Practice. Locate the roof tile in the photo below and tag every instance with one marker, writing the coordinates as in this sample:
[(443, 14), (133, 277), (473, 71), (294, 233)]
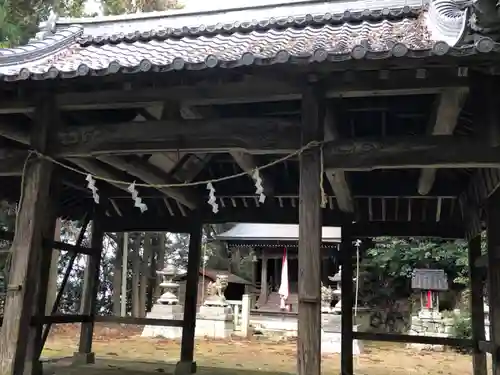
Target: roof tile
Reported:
[(403, 32)]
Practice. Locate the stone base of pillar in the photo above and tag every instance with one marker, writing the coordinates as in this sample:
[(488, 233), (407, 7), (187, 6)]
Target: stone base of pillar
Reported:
[(33, 368), (83, 358), (185, 368)]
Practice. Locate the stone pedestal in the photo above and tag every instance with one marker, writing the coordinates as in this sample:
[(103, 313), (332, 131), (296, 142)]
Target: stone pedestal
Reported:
[(428, 323), (331, 334), (174, 312), (214, 322)]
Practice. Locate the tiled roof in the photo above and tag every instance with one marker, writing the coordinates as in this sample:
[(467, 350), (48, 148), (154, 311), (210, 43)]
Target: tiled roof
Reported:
[(107, 45), (428, 279)]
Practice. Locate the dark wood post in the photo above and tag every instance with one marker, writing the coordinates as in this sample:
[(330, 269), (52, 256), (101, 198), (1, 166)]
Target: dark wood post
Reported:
[(493, 223), (309, 317), (186, 365), (476, 306), (35, 343), (85, 354), (25, 261), (346, 251)]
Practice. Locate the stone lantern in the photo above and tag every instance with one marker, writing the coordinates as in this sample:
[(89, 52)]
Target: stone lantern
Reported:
[(169, 297)]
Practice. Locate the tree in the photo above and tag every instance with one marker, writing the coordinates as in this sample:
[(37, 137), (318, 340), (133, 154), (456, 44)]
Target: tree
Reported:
[(387, 266), (19, 20), (110, 7)]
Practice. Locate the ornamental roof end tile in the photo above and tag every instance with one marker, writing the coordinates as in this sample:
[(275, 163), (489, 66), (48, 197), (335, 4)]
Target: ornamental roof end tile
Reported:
[(292, 32)]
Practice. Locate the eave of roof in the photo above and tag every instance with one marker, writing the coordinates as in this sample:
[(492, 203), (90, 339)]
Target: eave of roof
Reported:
[(274, 232), (307, 32)]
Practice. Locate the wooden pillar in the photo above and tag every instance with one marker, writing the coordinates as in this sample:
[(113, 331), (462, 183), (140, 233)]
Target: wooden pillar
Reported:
[(26, 249), (493, 224), (276, 271), (54, 263), (476, 306), (347, 289), (263, 280), (186, 365), (85, 354), (309, 317)]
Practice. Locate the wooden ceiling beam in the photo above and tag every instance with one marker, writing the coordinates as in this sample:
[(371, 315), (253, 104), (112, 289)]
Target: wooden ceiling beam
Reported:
[(449, 106), (361, 229), (411, 152), (204, 135), (249, 90), (337, 178), (154, 176)]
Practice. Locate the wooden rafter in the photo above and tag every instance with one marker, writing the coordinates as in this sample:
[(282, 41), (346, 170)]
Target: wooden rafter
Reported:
[(92, 166), (449, 105), (248, 164), (153, 175), (337, 177)]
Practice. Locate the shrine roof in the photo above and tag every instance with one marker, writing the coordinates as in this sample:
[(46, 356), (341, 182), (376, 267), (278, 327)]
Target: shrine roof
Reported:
[(274, 232), (264, 34), (429, 279)]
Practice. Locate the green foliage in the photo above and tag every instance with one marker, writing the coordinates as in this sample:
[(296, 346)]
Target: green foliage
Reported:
[(129, 6), (462, 327), (388, 265), (19, 20)]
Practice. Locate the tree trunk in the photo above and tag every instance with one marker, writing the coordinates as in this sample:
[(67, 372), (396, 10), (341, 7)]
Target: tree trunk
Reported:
[(117, 275), (145, 272), (136, 273), (85, 285), (160, 263)]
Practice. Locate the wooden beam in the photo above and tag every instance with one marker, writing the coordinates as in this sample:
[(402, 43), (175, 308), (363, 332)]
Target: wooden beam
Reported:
[(493, 241), (411, 152), (13, 132), (477, 305), (337, 177), (309, 317), (93, 167), (429, 340), (248, 164), (186, 365), (363, 229), (89, 299), (277, 136), (32, 223), (249, 90), (219, 135), (153, 175), (448, 109), (347, 300)]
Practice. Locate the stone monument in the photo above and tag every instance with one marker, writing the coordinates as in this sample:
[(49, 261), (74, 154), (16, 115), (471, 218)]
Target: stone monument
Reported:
[(215, 318), (331, 320), (166, 307)]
